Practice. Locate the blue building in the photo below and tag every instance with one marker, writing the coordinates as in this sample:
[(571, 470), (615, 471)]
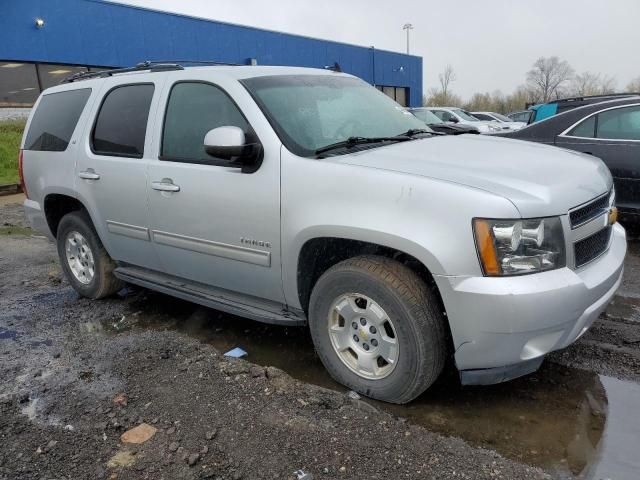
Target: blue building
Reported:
[(44, 41)]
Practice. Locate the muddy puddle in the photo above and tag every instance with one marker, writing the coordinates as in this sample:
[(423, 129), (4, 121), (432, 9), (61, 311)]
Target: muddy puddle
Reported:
[(560, 419)]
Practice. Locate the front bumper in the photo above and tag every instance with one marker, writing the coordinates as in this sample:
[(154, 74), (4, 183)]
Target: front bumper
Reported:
[(508, 324)]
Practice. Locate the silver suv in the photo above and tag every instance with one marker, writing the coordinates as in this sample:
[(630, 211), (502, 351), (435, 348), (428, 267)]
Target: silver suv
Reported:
[(307, 197)]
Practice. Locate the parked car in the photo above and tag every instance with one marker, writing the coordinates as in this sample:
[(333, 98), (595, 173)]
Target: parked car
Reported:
[(522, 116), (549, 109), (307, 197), (503, 120), (608, 130), (460, 117), (437, 125)]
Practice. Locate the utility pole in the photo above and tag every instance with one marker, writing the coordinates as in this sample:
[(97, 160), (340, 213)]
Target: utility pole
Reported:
[(407, 27)]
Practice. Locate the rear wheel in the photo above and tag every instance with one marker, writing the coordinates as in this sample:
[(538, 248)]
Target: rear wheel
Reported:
[(84, 260), (377, 328)]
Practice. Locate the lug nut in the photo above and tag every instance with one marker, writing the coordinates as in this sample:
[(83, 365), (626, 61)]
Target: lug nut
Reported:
[(354, 325), (355, 338), (363, 321), (365, 346), (373, 330), (374, 342)]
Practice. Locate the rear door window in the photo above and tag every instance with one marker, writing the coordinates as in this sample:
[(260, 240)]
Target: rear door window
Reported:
[(121, 124), (55, 120), (619, 124)]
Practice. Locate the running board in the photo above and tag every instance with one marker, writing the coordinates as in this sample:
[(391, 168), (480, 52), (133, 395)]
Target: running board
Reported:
[(216, 298)]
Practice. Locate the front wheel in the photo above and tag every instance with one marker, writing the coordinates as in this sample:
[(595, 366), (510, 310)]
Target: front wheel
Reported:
[(377, 328), (84, 260)]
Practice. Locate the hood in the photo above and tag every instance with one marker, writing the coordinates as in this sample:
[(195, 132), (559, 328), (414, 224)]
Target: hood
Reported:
[(538, 179)]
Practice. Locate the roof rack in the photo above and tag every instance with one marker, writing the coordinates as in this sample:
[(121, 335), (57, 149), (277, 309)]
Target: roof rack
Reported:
[(593, 97), (150, 65)]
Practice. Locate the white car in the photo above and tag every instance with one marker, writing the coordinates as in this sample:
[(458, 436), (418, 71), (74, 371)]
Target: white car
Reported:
[(458, 115), (502, 120)]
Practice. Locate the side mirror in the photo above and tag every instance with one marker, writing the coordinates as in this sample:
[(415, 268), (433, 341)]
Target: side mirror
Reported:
[(453, 119), (230, 143)]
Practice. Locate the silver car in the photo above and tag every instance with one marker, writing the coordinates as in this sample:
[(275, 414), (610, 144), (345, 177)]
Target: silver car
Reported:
[(500, 120), (460, 116), (307, 197)]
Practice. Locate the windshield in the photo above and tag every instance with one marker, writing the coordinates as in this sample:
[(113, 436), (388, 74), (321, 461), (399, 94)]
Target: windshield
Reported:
[(309, 112), (426, 116), (501, 117), (464, 115)]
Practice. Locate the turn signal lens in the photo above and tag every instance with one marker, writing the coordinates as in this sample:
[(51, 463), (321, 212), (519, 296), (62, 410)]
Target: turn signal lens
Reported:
[(486, 248)]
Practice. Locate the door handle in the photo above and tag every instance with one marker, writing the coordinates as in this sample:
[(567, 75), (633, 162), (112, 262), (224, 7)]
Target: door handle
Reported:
[(166, 185), (89, 175)]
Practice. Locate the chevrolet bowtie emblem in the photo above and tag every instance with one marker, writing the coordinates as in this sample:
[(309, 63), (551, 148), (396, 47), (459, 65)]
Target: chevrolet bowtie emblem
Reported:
[(613, 216)]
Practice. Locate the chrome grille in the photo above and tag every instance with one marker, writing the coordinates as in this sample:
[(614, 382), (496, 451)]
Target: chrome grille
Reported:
[(592, 247), (588, 212)]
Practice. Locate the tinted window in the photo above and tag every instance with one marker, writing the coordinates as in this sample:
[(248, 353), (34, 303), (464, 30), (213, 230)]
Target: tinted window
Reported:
[(122, 121), (482, 116), (194, 109), (620, 124), (426, 116), (586, 129), (501, 117), (520, 116), (443, 115), (55, 120), (464, 115)]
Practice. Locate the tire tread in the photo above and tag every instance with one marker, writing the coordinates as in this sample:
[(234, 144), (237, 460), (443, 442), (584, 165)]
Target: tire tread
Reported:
[(423, 306)]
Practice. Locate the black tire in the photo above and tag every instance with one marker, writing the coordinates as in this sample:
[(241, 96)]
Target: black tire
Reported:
[(414, 311), (103, 283)]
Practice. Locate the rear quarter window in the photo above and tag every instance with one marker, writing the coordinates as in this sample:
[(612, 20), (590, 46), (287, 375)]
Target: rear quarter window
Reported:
[(55, 120)]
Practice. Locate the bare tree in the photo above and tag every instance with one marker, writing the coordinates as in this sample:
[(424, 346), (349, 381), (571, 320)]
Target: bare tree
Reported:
[(443, 96), (435, 98), (634, 85), (588, 83), (446, 79), (548, 77)]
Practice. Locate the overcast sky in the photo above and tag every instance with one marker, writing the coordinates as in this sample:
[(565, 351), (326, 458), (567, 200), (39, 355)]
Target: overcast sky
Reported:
[(490, 43)]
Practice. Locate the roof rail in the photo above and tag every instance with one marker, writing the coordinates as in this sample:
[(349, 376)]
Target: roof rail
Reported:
[(185, 63), (151, 65), (603, 96)]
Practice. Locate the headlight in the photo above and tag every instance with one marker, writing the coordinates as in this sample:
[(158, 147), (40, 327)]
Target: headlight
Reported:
[(515, 247)]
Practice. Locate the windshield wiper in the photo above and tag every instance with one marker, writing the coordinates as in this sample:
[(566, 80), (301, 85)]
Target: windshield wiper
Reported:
[(353, 141), (412, 132)]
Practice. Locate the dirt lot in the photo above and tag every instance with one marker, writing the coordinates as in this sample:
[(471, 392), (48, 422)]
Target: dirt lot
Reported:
[(77, 374)]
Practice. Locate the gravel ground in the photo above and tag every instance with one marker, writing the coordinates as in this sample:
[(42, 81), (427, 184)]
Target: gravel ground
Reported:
[(71, 387)]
